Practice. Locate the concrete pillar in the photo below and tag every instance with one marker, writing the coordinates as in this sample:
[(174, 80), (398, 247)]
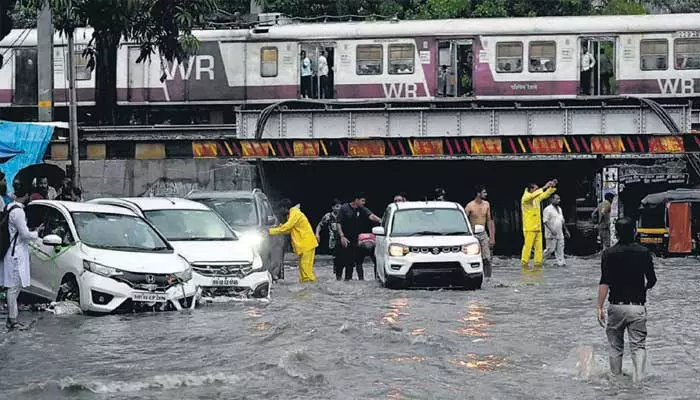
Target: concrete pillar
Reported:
[(45, 61)]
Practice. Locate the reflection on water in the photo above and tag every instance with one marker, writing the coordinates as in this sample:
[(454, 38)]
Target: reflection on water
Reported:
[(396, 310), (481, 362), (474, 323), (532, 275)]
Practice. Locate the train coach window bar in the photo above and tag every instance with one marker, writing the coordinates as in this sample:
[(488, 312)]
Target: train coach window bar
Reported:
[(268, 62), (401, 59), (653, 55), (369, 59), (509, 57), (543, 56), (687, 53)]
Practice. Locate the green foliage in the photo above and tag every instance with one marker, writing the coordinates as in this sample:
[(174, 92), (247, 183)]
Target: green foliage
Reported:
[(623, 7)]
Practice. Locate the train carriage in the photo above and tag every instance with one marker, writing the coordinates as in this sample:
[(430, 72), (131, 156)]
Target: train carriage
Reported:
[(654, 56)]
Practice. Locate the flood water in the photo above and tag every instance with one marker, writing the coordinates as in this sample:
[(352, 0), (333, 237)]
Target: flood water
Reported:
[(523, 336)]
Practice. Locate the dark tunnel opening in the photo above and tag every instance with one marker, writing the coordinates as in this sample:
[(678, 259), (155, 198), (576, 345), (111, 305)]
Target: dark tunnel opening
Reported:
[(314, 184)]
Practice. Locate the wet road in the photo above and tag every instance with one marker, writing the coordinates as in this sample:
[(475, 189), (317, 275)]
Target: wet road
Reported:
[(518, 338)]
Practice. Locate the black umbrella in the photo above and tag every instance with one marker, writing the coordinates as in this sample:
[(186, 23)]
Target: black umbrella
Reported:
[(53, 173)]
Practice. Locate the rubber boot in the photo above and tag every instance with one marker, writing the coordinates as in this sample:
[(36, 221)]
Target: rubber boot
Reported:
[(616, 365), (639, 359)]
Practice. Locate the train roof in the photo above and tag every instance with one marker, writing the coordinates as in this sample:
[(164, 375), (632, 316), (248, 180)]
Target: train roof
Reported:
[(680, 195), (580, 25)]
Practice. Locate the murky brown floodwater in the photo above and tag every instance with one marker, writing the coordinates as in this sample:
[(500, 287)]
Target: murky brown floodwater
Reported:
[(521, 337)]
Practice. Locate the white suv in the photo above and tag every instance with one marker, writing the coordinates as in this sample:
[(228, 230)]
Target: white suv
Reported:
[(222, 265), (427, 244)]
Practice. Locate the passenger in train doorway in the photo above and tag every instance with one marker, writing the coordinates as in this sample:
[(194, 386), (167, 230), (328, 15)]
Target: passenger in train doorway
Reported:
[(479, 213), (606, 72), (323, 75), (350, 220), (306, 76), (587, 64)]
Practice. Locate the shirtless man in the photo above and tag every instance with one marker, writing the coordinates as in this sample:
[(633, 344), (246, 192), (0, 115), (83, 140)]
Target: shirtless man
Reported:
[(479, 213)]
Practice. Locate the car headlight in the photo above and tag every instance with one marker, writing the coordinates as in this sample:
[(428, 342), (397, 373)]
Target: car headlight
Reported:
[(398, 250), (185, 275), (100, 269), (256, 266), (472, 249), (254, 239)]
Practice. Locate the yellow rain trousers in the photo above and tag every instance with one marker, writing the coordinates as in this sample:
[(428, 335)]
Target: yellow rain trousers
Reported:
[(303, 241), (532, 224)]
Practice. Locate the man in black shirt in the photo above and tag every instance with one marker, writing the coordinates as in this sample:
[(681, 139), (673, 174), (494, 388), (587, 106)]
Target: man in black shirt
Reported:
[(350, 223), (624, 269)]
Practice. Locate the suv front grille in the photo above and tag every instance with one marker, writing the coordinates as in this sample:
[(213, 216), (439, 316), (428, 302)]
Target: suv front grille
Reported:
[(436, 249), (436, 266), (230, 270), (150, 282)]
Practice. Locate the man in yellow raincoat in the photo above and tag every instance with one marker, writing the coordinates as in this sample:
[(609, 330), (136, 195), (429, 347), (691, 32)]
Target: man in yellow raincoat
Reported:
[(532, 220), (303, 239)]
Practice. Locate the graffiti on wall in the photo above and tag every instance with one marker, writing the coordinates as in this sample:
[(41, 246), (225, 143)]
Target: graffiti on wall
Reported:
[(165, 187)]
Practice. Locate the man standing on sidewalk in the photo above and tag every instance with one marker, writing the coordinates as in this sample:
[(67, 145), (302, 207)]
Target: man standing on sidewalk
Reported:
[(555, 230), (624, 269)]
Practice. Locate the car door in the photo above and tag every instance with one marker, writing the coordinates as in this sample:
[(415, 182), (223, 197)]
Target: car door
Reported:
[(381, 245), (40, 255), (277, 242)]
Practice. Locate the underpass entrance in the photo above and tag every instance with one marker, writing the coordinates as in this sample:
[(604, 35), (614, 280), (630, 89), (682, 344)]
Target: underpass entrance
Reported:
[(314, 184)]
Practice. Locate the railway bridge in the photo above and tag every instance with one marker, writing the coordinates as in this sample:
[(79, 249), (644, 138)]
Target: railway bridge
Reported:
[(314, 151)]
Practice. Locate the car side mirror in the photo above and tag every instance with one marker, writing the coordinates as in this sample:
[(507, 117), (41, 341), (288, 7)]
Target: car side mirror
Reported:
[(52, 240), (378, 231), (479, 229), (270, 219)]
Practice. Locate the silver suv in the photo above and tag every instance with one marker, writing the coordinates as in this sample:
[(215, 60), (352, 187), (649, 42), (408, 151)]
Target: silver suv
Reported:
[(250, 214)]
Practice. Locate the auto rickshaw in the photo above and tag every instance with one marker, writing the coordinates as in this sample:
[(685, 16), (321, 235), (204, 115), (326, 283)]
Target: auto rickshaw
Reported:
[(669, 222)]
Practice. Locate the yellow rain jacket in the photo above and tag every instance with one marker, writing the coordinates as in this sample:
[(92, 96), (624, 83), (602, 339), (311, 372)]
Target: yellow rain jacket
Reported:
[(299, 228), (530, 206)]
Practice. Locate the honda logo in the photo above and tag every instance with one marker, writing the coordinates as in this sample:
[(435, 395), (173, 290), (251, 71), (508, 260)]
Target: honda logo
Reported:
[(150, 279)]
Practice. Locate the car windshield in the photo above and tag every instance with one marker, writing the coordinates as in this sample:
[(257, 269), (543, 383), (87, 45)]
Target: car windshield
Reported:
[(237, 212), (117, 232), (188, 225), (430, 221)]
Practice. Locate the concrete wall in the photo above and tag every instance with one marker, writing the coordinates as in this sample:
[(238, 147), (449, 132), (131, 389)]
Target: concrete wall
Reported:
[(169, 177)]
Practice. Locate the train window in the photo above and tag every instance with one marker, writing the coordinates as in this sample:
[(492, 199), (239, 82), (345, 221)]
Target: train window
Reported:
[(401, 59), (369, 59), (687, 53), (268, 62), (653, 55), (543, 56), (509, 57), (80, 63)]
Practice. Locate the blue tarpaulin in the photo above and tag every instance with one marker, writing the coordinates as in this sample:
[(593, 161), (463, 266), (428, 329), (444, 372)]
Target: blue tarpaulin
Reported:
[(27, 141)]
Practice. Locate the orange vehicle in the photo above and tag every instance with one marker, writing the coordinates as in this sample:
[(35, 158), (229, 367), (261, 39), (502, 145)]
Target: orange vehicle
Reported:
[(669, 222)]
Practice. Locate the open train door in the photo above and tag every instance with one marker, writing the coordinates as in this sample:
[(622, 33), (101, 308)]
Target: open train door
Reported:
[(321, 84), (679, 228), (601, 78)]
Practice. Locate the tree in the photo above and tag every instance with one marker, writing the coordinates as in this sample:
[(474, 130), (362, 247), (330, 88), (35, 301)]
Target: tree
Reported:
[(160, 27)]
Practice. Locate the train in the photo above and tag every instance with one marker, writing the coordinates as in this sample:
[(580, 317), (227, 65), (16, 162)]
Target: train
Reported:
[(511, 59)]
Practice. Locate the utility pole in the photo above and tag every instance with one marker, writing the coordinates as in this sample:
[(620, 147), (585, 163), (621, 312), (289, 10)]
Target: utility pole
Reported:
[(45, 61), (72, 100)]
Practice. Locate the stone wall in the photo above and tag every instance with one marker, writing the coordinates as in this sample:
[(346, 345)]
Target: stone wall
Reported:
[(170, 177)]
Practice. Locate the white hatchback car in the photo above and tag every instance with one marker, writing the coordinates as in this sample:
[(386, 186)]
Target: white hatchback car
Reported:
[(222, 264), (106, 258), (427, 244)]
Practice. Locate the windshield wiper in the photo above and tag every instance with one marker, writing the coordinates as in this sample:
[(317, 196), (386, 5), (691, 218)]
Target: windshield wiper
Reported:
[(426, 233), (457, 234)]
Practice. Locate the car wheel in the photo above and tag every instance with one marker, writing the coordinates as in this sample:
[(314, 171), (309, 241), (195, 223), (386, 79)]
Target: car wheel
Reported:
[(69, 290), (475, 283)]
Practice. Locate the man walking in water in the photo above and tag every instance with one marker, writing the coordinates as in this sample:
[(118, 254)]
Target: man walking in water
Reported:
[(623, 271), (532, 220), (555, 230), (479, 213), (602, 216)]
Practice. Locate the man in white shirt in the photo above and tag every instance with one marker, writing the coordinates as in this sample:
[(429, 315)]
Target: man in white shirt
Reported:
[(555, 230), (306, 73), (587, 64), (323, 75)]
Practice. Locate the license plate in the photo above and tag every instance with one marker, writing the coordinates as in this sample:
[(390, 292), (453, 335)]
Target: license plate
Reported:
[(651, 240), (149, 297), (225, 282)]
